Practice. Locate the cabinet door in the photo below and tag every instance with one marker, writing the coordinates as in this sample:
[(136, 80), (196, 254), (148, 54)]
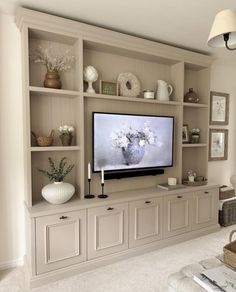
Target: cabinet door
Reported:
[(60, 240), (107, 230), (145, 221), (177, 214), (205, 211)]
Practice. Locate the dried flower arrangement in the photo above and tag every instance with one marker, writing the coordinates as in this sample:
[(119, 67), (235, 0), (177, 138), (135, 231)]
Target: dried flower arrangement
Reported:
[(52, 61)]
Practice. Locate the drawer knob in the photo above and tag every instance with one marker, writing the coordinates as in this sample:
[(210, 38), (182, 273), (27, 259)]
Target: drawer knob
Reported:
[(206, 192), (147, 202), (179, 197), (110, 208), (63, 217)]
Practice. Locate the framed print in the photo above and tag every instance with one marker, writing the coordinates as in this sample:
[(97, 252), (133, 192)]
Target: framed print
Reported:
[(185, 134), (218, 144), (219, 108), (109, 88)]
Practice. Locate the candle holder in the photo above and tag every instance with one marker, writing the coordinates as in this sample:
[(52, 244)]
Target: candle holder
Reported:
[(102, 195), (89, 196)]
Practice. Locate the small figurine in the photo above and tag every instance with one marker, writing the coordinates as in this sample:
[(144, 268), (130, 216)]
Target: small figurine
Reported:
[(90, 75)]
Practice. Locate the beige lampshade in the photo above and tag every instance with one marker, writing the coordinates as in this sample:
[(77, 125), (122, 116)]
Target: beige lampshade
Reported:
[(224, 22)]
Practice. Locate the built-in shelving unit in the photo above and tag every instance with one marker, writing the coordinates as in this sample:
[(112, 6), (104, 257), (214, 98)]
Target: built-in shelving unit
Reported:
[(46, 109)]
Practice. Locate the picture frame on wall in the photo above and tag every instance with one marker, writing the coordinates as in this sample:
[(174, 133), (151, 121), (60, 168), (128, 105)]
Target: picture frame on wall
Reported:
[(218, 144), (185, 134), (219, 108)]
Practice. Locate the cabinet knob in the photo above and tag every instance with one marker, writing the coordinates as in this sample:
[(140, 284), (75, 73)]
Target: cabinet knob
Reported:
[(110, 208), (147, 202), (179, 197), (206, 192), (63, 217)]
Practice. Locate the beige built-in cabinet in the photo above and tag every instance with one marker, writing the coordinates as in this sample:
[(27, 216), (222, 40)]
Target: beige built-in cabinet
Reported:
[(81, 234)]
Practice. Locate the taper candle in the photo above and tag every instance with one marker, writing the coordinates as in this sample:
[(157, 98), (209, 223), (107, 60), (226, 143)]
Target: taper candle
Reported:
[(89, 171), (102, 176)]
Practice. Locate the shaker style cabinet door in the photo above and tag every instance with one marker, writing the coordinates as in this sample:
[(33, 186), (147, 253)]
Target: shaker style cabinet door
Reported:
[(107, 230), (205, 211), (145, 221), (60, 240), (177, 214)]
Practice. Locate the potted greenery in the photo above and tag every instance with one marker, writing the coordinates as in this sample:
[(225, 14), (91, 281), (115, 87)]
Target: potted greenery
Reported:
[(57, 192), (195, 136)]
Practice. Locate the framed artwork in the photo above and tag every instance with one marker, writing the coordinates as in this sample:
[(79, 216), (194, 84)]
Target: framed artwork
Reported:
[(109, 88), (185, 134), (218, 144), (219, 108)]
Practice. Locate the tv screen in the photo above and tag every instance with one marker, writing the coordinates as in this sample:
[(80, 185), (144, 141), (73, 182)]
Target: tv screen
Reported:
[(132, 142)]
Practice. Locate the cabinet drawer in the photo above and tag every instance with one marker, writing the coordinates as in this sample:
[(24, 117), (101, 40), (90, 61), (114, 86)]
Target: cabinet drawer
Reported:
[(145, 221), (177, 214), (107, 229), (205, 211), (60, 240)]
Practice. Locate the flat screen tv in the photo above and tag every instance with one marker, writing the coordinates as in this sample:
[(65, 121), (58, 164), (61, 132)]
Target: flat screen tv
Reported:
[(127, 142)]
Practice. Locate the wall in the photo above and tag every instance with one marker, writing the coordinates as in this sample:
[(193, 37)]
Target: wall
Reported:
[(11, 154), (11, 149), (223, 80)]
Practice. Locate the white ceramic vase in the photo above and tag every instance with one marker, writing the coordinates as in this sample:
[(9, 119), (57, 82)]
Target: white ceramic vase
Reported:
[(58, 192), (233, 180)]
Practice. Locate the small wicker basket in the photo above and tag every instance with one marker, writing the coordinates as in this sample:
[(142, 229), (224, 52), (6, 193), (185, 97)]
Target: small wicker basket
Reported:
[(230, 251), (44, 141)]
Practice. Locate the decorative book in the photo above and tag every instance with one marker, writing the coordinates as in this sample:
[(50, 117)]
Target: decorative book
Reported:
[(169, 188), (217, 279)]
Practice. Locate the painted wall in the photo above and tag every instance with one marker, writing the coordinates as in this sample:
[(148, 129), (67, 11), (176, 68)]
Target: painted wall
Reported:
[(223, 80), (11, 152), (11, 148)]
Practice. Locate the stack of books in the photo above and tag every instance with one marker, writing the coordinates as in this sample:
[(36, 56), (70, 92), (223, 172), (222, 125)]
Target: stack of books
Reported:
[(217, 279)]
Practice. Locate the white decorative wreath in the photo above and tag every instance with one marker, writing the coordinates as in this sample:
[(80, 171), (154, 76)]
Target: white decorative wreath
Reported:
[(129, 84)]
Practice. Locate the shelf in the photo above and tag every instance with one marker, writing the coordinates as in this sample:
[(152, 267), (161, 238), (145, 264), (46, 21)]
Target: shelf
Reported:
[(54, 148), (43, 91), (190, 104), (194, 145), (130, 99)]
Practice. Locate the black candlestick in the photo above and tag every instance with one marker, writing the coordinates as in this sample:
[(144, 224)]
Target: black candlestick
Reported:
[(89, 196), (102, 195)]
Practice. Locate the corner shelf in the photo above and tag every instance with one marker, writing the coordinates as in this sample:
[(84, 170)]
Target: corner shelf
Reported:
[(43, 91), (54, 148), (190, 104), (188, 145), (130, 99)]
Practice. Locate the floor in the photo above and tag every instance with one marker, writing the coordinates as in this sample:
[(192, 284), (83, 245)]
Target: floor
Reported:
[(145, 273)]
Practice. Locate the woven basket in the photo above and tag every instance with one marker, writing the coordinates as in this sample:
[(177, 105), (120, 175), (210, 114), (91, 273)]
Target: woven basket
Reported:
[(230, 251), (44, 141)]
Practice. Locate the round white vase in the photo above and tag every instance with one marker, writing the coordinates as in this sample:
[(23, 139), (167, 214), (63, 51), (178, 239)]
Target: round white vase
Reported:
[(58, 192)]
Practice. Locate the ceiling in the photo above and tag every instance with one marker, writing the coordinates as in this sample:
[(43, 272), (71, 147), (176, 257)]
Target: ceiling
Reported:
[(183, 23)]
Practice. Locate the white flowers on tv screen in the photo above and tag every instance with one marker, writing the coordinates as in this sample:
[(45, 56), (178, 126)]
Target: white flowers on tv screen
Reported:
[(132, 141)]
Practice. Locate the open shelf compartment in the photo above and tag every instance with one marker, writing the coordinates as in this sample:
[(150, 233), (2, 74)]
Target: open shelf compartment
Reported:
[(52, 112), (55, 45), (39, 160), (147, 68)]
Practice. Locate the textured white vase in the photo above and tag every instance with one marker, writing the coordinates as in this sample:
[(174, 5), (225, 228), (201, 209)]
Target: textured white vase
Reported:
[(58, 192)]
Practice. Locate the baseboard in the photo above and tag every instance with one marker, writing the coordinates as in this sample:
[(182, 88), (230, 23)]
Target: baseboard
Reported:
[(11, 264)]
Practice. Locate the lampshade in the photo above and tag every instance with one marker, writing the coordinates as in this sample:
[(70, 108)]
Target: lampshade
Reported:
[(224, 22)]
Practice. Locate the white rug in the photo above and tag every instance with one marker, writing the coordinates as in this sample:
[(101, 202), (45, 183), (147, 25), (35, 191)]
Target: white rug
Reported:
[(146, 273)]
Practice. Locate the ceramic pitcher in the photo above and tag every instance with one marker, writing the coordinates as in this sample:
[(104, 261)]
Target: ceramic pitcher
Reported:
[(164, 90)]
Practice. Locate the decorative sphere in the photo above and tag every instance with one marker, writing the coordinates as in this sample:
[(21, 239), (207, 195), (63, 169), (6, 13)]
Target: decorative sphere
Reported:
[(90, 74)]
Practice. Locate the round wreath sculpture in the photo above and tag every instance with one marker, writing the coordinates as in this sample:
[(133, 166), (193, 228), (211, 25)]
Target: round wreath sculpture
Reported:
[(129, 84)]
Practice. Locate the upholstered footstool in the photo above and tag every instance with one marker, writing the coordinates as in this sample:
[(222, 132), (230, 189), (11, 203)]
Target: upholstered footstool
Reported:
[(182, 281)]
